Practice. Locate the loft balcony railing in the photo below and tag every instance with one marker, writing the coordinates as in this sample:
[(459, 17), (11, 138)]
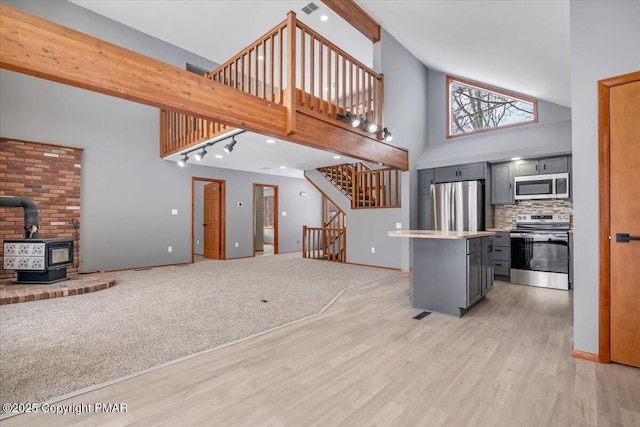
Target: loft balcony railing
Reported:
[(293, 66)]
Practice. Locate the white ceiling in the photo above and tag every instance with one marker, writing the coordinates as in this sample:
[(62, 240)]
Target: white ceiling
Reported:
[(522, 46), (252, 153)]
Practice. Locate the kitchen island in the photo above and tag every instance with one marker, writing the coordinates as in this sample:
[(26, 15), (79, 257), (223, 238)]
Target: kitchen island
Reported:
[(452, 270)]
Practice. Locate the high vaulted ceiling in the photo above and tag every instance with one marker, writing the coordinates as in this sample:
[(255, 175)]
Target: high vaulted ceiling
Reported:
[(522, 46)]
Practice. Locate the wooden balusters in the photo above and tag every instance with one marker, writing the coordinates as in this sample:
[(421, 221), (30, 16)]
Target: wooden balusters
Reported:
[(324, 243)]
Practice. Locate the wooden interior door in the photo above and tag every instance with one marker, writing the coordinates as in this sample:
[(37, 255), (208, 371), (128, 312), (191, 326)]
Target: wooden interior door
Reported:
[(212, 223), (624, 173)]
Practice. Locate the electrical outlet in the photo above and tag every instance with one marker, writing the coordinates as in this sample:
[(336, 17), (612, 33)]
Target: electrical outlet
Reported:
[(373, 250), (198, 242), (236, 244), (398, 225), (169, 249), (284, 213)]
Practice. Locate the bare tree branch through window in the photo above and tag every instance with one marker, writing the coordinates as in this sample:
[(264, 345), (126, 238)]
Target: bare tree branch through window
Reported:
[(473, 108)]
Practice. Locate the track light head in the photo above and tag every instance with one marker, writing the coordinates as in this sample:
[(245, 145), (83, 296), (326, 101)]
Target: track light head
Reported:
[(385, 135), (229, 147), (369, 126), (200, 155), (349, 117), (183, 161)]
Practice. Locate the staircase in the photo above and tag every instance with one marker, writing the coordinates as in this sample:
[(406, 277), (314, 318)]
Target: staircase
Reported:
[(329, 242), (364, 186)]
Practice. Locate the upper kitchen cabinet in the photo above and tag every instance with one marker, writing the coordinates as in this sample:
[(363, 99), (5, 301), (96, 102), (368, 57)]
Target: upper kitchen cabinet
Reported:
[(466, 172), (502, 177), (542, 166)]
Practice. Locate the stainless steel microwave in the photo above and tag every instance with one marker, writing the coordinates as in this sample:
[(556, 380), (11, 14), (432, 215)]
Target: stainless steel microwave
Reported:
[(549, 186)]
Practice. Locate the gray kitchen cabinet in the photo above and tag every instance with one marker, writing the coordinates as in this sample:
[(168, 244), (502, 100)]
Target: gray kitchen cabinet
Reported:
[(557, 164), (553, 165), (448, 274), (502, 255), (466, 172), (502, 178), (471, 171), (474, 277), (487, 265), (446, 174), (425, 213)]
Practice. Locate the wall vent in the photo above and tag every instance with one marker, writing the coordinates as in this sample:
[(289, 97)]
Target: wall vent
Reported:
[(311, 7)]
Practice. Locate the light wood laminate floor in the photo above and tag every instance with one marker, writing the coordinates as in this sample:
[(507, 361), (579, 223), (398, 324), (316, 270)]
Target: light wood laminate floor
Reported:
[(367, 362)]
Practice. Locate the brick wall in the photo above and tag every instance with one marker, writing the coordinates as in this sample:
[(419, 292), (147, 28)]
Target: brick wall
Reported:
[(49, 175)]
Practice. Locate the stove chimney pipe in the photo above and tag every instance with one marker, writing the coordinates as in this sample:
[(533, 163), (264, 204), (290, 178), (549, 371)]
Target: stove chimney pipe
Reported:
[(30, 214)]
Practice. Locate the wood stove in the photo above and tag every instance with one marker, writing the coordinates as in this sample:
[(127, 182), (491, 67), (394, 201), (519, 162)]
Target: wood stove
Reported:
[(38, 260)]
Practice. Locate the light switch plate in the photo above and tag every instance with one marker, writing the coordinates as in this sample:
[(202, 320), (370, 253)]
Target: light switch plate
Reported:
[(174, 211), (284, 213)]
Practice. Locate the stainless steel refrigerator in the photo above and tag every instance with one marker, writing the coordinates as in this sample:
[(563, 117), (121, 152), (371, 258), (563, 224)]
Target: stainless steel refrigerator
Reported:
[(458, 206)]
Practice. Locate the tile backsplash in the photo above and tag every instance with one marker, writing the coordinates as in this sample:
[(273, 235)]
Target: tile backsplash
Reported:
[(504, 216)]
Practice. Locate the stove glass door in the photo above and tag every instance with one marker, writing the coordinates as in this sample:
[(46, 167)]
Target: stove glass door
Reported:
[(540, 252)]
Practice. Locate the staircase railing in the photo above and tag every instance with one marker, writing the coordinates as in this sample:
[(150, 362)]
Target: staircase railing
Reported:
[(365, 187), (179, 131), (376, 188), (293, 66), (324, 243)]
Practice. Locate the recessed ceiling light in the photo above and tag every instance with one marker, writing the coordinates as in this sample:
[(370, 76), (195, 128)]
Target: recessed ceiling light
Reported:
[(218, 156), (301, 161), (516, 158), (336, 157), (283, 167), (324, 18), (271, 141)]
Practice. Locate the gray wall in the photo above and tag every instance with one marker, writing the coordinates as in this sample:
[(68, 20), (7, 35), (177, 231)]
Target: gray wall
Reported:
[(366, 228), (127, 191), (551, 135), (406, 89), (605, 42)]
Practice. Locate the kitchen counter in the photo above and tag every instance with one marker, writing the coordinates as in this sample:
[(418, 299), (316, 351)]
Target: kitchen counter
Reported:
[(434, 234), (452, 271), (502, 230)]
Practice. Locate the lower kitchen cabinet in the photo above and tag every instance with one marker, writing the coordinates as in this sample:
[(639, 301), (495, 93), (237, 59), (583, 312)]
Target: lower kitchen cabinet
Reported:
[(451, 275), (502, 255)]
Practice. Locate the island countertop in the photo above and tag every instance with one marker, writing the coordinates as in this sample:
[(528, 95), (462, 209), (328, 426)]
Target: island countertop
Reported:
[(434, 234)]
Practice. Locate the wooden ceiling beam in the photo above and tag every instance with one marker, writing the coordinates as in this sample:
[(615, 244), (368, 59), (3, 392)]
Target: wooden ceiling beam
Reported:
[(35, 46), (357, 17)]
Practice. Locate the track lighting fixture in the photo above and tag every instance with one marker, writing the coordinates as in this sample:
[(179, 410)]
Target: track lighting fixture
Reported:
[(369, 126), (201, 151), (349, 117), (385, 135), (200, 155), (229, 147)]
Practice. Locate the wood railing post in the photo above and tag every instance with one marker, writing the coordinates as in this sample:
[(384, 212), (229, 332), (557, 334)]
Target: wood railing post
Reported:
[(163, 132), (354, 187), (380, 105), (304, 241), (290, 101)]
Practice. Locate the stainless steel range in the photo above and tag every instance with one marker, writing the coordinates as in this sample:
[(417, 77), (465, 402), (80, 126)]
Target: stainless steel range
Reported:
[(540, 250)]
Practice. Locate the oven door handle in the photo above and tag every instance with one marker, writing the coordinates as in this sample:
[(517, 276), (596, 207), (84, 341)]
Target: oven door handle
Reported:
[(547, 237)]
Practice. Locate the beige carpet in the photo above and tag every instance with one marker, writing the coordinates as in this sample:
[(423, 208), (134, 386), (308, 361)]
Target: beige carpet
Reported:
[(53, 347)]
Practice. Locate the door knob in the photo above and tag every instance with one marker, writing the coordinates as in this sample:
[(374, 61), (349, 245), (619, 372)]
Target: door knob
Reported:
[(625, 238)]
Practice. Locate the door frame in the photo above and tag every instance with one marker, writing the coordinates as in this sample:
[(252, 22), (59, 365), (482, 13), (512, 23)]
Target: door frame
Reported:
[(276, 215), (223, 214), (604, 160)]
